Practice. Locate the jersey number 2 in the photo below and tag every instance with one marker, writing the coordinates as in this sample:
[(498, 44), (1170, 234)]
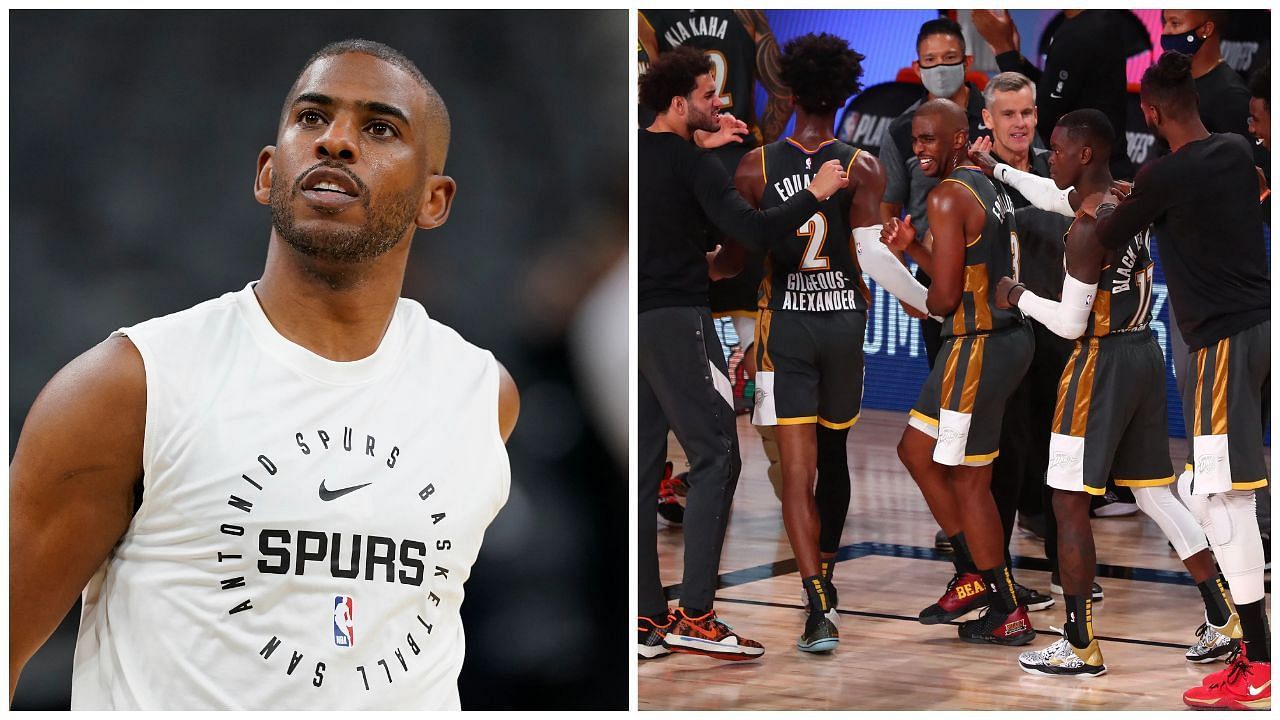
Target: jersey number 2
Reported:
[(720, 72), (816, 230)]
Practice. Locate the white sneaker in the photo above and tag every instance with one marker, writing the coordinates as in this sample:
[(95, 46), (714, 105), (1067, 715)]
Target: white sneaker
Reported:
[(1063, 659), (1215, 643)]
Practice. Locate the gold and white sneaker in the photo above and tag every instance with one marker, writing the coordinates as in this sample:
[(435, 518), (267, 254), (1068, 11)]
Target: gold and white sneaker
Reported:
[(1063, 659), (1215, 643)]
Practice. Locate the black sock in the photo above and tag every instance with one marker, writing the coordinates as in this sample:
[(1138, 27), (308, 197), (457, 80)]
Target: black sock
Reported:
[(692, 613), (1000, 584), (661, 619), (1257, 634), (821, 596), (1079, 620), (828, 570), (960, 555), (1216, 606)]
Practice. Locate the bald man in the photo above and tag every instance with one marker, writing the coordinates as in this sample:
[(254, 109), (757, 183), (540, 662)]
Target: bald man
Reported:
[(261, 497), (953, 432)]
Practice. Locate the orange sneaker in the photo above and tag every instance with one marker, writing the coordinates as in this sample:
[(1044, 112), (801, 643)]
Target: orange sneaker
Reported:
[(650, 637), (707, 635), (1244, 685)]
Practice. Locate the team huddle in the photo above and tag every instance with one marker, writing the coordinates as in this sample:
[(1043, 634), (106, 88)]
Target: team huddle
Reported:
[(812, 207)]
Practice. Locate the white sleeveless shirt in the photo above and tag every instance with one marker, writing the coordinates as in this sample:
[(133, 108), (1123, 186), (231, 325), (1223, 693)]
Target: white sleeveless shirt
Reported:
[(306, 526)]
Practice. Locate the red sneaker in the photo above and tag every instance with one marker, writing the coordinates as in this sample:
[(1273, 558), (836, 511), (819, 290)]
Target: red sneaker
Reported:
[(965, 594), (650, 637), (1000, 629), (1244, 685), (670, 511)]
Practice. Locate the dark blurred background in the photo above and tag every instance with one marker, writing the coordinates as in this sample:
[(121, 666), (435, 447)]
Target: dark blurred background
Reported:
[(133, 140)]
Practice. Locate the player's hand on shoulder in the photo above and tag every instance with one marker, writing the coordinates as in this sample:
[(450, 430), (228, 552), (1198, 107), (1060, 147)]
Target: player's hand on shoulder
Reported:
[(830, 178), (980, 155)]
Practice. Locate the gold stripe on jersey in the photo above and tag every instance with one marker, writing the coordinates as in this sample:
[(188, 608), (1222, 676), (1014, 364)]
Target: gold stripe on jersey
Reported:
[(762, 340), (972, 375), (764, 172), (1199, 423), (1102, 312), (968, 187), (1219, 417), (766, 283), (821, 145), (806, 420), (838, 426), (1064, 386), (976, 283), (1084, 391), (949, 372), (921, 416), (957, 318), (852, 160)]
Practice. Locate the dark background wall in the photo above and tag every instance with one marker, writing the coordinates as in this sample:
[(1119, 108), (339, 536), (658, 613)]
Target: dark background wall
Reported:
[(133, 138)]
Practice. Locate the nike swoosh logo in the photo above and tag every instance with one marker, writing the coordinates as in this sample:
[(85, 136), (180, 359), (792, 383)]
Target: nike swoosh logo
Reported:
[(327, 494), (1255, 690)]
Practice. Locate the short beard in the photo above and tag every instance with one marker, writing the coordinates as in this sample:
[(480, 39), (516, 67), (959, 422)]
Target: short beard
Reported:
[(706, 122), (383, 229)]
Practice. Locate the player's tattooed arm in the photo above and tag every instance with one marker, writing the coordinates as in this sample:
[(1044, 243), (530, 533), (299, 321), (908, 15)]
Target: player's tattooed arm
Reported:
[(777, 109), (648, 38), (71, 488)]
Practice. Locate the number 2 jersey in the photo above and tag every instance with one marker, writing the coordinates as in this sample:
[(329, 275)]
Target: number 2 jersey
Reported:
[(813, 269), (987, 258)]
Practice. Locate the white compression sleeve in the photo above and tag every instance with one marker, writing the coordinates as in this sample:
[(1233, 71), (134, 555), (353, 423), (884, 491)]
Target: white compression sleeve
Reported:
[(1230, 522), (879, 263), (1039, 191), (1174, 519), (1067, 318)]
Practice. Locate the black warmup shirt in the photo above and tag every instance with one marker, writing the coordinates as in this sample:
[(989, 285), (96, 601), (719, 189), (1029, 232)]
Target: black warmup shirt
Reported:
[(1224, 107), (1203, 201), (1084, 68), (682, 190)]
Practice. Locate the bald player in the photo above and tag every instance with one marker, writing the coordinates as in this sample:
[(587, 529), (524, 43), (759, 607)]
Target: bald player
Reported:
[(954, 429), (1110, 419), (263, 497)]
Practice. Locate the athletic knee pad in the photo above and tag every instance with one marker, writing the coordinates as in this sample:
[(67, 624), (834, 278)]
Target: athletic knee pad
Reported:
[(1176, 522), (1237, 543), (1197, 504)]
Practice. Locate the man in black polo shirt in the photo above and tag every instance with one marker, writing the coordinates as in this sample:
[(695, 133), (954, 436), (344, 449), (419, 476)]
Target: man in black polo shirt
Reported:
[(683, 380), (1203, 201)]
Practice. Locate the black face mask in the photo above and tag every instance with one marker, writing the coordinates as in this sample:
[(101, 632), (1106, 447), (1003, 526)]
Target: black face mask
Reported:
[(1187, 43)]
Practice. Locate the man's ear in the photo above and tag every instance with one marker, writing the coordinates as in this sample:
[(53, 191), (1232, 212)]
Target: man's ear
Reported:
[(1209, 27), (986, 117), (437, 199), (968, 62), (262, 180), (960, 140), (1086, 155)]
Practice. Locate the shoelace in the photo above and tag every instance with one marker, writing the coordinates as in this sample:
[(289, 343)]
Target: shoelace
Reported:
[(1200, 631), (1239, 665)]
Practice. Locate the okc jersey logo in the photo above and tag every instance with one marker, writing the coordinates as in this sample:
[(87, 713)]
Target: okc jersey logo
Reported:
[(344, 621)]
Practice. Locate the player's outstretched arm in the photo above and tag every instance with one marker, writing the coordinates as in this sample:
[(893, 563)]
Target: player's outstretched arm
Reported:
[(508, 402), (1039, 191), (71, 488)]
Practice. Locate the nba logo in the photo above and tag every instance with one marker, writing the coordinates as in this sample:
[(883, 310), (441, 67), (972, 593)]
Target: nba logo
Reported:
[(344, 621)]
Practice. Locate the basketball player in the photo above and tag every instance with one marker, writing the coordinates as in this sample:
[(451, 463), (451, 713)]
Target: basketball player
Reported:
[(954, 430), (683, 384), (1110, 418), (1202, 200), (249, 491), (813, 315)]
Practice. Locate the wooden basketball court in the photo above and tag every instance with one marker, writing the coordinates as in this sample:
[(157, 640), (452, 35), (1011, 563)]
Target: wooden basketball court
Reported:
[(888, 571)]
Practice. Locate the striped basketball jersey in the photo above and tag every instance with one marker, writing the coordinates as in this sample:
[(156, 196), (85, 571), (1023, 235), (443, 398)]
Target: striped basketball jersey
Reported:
[(1123, 300), (721, 36), (987, 258), (813, 269)]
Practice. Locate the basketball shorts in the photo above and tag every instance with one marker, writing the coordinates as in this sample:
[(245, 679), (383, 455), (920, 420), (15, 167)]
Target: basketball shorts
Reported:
[(1224, 407), (961, 405), (1109, 420), (809, 368)]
